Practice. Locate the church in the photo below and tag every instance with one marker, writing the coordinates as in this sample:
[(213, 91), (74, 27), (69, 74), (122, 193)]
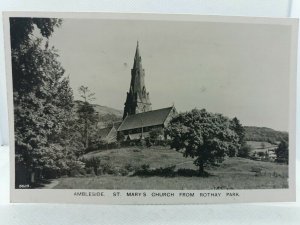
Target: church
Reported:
[(138, 117)]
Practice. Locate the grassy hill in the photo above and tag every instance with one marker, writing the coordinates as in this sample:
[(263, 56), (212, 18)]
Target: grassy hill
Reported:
[(233, 173)]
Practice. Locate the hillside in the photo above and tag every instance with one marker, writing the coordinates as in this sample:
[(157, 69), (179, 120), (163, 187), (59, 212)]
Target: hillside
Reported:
[(264, 134), (104, 110), (233, 173), (106, 114)]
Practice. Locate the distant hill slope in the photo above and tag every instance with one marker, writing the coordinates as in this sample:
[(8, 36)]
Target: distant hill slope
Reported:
[(106, 114), (103, 110), (264, 134)]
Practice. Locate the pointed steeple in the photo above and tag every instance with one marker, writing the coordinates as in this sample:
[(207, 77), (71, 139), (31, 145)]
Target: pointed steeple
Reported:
[(137, 57), (137, 100)]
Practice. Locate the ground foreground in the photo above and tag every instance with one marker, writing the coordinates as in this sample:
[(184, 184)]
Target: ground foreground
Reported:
[(233, 173)]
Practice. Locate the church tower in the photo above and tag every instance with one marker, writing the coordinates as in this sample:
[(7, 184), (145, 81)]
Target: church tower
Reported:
[(137, 100)]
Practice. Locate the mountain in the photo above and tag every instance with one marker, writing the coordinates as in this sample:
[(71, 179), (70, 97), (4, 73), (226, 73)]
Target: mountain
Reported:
[(264, 134)]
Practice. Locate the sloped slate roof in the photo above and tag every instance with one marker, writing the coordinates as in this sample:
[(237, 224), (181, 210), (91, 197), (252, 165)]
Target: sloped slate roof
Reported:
[(104, 131), (117, 124), (146, 119)]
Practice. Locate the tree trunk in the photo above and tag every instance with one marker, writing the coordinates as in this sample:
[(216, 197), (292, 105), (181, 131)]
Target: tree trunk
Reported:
[(86, 134), (32, 177), (201, 168)]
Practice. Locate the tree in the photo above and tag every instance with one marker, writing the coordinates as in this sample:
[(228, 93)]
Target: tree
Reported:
[(154, 137), (239, 130), (208, 137), (87, 114), (155, 133), (26, 50), (244, 151), (43, 100), (282, 152)]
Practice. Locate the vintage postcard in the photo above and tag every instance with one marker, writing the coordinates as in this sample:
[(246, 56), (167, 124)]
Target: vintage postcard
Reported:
[(151, 109)]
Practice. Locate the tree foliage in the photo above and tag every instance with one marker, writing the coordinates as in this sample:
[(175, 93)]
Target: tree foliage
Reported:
[(239, 130), (244, 151), (208, 137), (43, 100), (282, 152), (155, 134)]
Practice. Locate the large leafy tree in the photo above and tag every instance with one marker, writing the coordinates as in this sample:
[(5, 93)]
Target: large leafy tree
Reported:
[(43, 100), (205, 136)]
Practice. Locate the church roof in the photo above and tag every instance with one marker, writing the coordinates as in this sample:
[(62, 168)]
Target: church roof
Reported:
[(117, 124), (145, 119), (105, 131)]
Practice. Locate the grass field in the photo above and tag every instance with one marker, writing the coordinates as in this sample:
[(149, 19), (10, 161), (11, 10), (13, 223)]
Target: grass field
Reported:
[(233, 173)]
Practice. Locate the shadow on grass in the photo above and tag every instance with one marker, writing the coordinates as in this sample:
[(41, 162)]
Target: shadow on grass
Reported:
[(40, 183), (169, 172)]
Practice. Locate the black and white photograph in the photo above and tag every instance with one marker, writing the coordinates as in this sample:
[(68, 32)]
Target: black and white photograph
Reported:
[(151, 105)]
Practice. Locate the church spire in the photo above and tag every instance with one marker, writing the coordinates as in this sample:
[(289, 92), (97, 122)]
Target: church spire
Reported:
[(137, 100), (137, 57)]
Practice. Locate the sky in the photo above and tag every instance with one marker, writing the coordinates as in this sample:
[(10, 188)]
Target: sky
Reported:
[(239, 70)]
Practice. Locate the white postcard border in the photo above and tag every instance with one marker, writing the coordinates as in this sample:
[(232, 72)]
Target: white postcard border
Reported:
[(200, 196)]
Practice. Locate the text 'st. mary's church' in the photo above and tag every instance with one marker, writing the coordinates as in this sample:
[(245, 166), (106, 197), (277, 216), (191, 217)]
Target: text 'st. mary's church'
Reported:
[(137, 100)]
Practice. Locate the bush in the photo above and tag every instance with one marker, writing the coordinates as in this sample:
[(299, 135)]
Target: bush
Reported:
[(187, 173), (99, 171), (261, 154), (145, 167), (129, 167), (107, 168), (155, 133), (89, 170), (93, 163), (77, 172), (123, 172), (148, 142), (164, 172), (105, 146), (244, 151)]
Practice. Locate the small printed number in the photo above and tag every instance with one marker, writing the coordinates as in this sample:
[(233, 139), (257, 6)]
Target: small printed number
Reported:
[(23, 185)]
